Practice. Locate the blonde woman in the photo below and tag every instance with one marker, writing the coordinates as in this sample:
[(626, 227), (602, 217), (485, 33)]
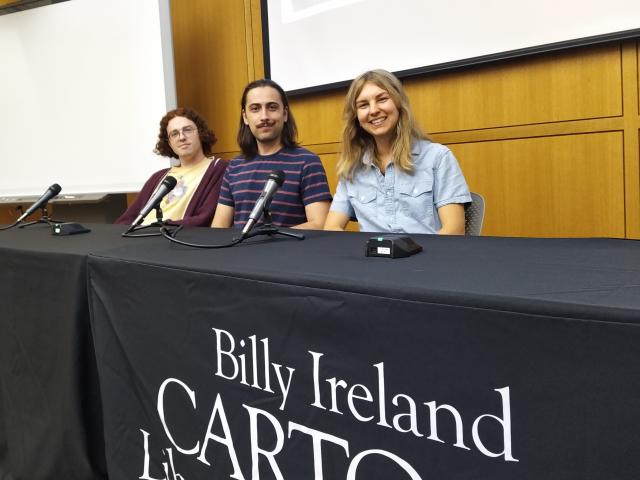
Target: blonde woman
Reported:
[(392, 178)]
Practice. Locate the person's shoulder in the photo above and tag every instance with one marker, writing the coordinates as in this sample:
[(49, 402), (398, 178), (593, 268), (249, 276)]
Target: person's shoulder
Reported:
[(426, 151), (238, 159), (427, 146), (218, 162), (162, 171), (159, 174), (237, 162), (305, 158), (298, 152)]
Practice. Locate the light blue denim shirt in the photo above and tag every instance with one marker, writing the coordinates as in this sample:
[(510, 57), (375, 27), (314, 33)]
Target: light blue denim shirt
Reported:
[(400, 202)]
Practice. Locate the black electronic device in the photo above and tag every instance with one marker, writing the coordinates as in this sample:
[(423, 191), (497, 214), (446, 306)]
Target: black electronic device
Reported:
[(68, 228), (392, 246)]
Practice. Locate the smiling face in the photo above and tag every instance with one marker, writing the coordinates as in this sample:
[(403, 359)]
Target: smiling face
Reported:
[(184, 138), (377, 113), (265, 115)]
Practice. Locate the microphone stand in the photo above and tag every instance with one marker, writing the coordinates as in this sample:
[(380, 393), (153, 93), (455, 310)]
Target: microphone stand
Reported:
[(158, 223), (44, 219), (267, 228)]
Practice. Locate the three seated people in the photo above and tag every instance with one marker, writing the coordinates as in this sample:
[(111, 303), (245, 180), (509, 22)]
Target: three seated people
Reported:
[(392, 177)]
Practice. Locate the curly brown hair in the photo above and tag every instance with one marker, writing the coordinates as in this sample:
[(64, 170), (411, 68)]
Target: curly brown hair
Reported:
[(207, 137)]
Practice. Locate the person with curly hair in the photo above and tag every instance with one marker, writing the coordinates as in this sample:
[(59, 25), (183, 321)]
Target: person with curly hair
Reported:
[(185, 136), (392, 177)]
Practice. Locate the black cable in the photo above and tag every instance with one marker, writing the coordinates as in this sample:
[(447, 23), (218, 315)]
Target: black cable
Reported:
[(9, 226), (134, 228), (170, 235), (132, 235)]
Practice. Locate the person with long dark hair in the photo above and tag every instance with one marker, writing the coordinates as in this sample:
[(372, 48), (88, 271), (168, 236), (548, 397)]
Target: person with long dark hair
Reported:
[(185, 136), (267, 137), (392, 177)]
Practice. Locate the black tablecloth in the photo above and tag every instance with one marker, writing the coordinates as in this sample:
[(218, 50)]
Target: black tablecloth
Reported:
[(478, 358), (50, 411)]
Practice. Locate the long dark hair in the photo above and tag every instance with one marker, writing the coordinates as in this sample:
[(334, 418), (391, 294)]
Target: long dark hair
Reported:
[(246, 140), (207, 137)]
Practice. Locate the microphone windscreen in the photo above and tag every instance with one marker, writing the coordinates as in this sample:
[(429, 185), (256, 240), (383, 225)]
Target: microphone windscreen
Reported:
[(170, 182), (55, 188), (277, 176)]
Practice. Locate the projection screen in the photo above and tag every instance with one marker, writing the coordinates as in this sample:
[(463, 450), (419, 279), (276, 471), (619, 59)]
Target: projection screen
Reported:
[(319, 44), (84, 85)]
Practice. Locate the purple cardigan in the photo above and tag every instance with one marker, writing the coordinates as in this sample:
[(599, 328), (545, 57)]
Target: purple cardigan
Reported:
[(202, 206)]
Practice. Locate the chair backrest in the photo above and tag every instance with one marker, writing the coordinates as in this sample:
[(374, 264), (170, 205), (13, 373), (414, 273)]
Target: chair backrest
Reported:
[(474, 215)]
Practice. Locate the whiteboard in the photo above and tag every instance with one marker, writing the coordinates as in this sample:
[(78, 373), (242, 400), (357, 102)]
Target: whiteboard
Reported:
[(84, 85), (315, 43)]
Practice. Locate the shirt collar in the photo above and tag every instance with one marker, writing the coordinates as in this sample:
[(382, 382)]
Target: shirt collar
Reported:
[(367, 158)]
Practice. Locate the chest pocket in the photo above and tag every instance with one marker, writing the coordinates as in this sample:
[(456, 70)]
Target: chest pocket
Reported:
[(416, 197), (363, 196)]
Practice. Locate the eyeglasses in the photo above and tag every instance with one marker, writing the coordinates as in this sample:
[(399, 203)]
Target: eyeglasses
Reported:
[(186, 131)]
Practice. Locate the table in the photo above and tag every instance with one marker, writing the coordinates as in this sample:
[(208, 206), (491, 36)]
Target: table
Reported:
[(50, 409), (480, 358)]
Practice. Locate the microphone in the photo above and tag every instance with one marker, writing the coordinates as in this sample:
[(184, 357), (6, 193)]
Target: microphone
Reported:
[(165, 187), (275, 181), (51, 192)]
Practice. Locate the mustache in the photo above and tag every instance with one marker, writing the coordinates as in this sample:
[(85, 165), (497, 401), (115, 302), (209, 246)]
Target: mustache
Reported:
[(266, 124)]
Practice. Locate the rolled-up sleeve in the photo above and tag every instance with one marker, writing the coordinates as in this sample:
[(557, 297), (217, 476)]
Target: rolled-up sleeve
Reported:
[(449, 185), (341, 201)]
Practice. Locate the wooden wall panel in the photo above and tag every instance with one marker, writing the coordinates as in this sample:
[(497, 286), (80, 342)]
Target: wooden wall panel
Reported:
[(575, 85), (572, 85), (329, 161), (212, 66), (631, 121), (319, 117), (8, 214), (566, 186)]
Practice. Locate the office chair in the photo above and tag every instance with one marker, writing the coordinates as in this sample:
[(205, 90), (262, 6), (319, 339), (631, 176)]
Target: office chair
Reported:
[(474, 215)]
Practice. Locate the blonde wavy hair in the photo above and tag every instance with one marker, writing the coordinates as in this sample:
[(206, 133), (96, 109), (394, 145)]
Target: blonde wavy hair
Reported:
[(356, 142)]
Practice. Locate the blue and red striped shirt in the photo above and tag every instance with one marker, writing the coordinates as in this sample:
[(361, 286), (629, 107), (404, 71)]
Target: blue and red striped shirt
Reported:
[(305, 183)]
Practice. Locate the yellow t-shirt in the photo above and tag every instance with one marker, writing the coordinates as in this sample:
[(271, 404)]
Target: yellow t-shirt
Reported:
[(175, 203)]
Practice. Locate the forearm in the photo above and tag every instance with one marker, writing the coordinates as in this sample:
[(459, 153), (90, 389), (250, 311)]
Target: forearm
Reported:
[(310, 225), (451, 219), (452, 230), (336, 221), (316, 214), (223, 217)]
